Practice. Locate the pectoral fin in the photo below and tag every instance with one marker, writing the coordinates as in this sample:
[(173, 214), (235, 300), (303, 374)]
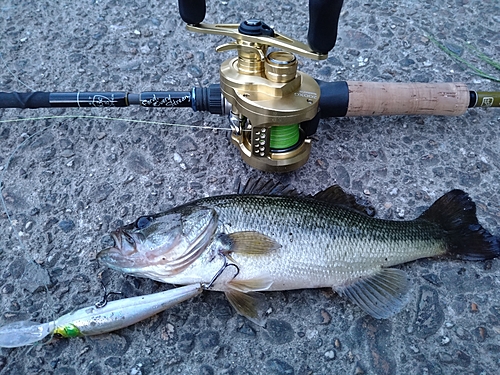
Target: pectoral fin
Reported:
[(252, 243), (381, 295)]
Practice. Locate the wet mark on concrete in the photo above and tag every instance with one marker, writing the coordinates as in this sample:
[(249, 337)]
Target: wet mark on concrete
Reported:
[(430, 315)]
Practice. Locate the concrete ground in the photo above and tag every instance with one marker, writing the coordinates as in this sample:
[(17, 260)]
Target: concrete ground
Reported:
[(68, 181)]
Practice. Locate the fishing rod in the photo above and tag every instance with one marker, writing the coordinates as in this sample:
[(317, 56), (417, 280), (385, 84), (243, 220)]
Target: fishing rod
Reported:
[(273, 108)]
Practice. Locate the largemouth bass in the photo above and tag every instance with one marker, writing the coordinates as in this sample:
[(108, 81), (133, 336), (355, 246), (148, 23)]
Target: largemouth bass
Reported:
[(271, 238)]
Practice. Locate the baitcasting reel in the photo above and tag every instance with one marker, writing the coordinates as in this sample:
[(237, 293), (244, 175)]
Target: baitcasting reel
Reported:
[(274, 107)]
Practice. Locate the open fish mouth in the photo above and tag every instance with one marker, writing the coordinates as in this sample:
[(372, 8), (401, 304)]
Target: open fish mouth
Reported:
[(170, 242), (120, 256), (125, 242)]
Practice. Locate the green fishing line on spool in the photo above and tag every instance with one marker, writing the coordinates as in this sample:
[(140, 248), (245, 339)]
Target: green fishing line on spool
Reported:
[(283, 137)]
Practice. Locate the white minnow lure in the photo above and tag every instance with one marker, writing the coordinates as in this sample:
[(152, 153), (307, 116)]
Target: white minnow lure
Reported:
[(94, 320)]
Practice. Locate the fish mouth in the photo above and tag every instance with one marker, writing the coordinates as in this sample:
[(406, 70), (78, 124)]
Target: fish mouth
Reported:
[(119, 255)]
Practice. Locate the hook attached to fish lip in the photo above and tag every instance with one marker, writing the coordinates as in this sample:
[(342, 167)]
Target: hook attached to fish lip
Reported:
[(222, 269)]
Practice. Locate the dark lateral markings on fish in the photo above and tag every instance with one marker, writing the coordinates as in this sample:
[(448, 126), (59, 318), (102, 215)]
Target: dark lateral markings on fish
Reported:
[(282, 240)]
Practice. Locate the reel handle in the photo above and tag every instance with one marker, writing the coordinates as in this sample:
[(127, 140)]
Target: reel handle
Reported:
[(323, 20), (323, 24), (192, 11)]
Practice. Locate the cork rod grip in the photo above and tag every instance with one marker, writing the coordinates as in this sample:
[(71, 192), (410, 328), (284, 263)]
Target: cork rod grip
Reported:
[(382, 99)]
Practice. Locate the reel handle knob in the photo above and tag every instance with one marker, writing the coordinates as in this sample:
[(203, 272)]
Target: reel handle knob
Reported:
[(192, 11), (323, 24)]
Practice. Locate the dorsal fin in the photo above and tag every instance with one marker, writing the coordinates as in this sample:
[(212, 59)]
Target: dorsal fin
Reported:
[(337, 196), (261, 186), (334, 195)]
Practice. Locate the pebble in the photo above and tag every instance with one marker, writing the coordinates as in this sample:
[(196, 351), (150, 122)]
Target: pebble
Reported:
[(186, 144), (138, 163), (330, 355), (206, 370), (7, 289), (102, 192), (186, 342), (325, 317), (194, 71), (445, 340), (136, 370), (278, 367), (337, 344), (67, 153), (109, 344), (279, 332), (209, 339), (177, 157), (246, 329), (480, 334), (433, 279), (34, 277), (458, 50), (113, 362), (101, 135), (66, 225)]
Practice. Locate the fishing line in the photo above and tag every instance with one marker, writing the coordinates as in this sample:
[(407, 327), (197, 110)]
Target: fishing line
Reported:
[(13, 74), (150, 122)]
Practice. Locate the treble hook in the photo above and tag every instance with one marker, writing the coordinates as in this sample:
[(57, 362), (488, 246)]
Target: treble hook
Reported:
[(217, 275), (104, 300)]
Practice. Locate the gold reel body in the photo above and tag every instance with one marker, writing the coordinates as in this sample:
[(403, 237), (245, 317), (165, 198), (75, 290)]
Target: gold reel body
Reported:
[(269, 98)]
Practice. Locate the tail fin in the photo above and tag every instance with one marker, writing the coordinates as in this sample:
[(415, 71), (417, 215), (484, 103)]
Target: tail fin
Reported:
[(455, 212)]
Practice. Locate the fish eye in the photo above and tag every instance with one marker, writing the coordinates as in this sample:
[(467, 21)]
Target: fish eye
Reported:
[(143, 222)]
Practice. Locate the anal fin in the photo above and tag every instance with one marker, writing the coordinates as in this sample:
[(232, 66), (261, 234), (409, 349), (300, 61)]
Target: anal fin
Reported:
[(381, 295)]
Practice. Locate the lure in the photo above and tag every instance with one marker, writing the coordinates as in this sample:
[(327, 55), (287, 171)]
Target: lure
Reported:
[(94, 320)]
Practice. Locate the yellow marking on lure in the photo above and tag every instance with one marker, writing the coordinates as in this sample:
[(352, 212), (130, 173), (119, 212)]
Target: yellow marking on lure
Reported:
[(68, 330)]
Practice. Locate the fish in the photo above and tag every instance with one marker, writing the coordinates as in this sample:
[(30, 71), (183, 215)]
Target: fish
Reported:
[(269, 237), (96, 320)]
